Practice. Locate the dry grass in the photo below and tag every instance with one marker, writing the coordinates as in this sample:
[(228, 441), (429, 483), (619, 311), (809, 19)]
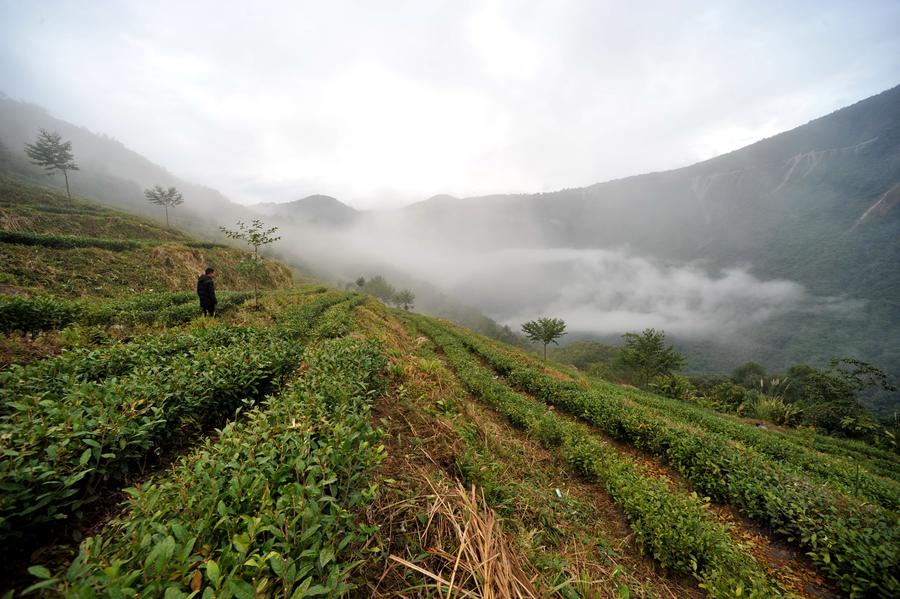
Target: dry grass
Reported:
[(469, 554)]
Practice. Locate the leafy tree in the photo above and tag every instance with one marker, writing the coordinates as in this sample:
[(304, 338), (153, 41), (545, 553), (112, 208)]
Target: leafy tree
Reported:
[(544, 330), (256, 236), (380, 288), (52, 153), (164, 197), (829, 397), (647, 354), (751, 375), (405, 299), (361, 282)]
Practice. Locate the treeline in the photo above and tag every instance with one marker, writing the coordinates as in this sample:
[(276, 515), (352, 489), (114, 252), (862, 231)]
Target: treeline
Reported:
[(823, 399), (379, 287)]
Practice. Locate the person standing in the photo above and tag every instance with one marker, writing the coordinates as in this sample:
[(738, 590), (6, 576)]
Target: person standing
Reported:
[(206, 290)]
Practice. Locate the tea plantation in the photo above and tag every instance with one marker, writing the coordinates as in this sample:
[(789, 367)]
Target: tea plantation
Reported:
[(322, 444)]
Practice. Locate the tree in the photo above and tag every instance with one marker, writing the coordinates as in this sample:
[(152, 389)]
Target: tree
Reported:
[(256, 236), (646, 353), (405, 299), (751, 375), (52, 153), (380, 288), (164, 197), (830, 397), (544, 330)]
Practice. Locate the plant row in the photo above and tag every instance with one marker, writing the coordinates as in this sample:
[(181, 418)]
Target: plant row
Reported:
[(61, 448), (674, 528), (67, 241), (38, 313), (269, 509), (853, 478), (53, 376), (856, 544)]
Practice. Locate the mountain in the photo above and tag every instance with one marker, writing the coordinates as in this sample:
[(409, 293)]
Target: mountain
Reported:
[(314, 210), (816, 207), (110, 172)]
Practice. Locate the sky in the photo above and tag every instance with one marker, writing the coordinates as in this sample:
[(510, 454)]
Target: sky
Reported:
[(386, 103)]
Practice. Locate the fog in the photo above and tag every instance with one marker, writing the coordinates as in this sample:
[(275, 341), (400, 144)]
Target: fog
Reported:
[(602, 292)]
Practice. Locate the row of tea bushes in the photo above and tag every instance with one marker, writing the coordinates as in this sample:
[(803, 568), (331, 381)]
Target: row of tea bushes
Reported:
[(855, 543), (675, 528), (269, 509)]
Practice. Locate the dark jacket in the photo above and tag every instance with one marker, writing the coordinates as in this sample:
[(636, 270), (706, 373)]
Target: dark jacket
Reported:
[(206, 289)]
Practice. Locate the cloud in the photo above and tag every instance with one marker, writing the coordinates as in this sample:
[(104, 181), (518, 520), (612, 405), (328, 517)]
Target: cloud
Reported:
[(379, 105), (611, 291)]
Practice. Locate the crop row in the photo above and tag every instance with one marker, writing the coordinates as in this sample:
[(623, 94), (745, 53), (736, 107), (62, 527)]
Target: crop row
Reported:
[(38, 313), (840, 473), (269, 509), (59, 448), (854, 543), (674, 528), (52, 376), (67, 242)]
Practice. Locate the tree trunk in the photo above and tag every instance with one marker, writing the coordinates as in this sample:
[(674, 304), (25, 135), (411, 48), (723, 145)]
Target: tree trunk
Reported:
[(66, 175), (167, 216), (545, 352)]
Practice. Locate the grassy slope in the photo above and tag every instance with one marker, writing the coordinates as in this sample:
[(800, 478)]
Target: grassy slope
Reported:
[(549, 531), (166, 260)]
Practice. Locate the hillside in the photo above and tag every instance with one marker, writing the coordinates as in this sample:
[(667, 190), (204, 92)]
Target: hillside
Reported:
[(49, 244), (321, 443)]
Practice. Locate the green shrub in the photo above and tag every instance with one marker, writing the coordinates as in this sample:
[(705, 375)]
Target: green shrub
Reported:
[(68, 241), (36, 313), (853, 542), (775, 410), (268, 509)]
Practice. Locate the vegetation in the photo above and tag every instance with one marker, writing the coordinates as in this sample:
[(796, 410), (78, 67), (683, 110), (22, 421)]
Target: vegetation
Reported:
[(164, 197), (852, 541), (256, 236), (647, 354), (53, 154), (544, 330)]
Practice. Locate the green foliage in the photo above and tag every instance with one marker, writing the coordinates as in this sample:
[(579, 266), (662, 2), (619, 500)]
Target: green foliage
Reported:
[(53, 154), (67, 241), (674, 386), (166, 198), (405, 299), (273, 502), (674, 528), (852, 541), (256, 236), (544, 330), (750, 375), (646, 353), (775, 410), (39, 313), (62, 446)]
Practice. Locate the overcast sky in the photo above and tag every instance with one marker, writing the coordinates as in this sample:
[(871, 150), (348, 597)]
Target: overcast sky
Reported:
[(385, 103)]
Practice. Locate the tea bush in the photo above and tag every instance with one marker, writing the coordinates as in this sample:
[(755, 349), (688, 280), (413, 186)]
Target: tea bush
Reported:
[(61, 446), (674, 528), (268, 510), (853, 542)]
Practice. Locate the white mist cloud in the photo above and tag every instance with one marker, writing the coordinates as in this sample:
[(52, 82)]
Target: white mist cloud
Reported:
[(611, 291)]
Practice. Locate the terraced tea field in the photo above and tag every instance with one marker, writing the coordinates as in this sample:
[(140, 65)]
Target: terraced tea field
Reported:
[(324, 445)]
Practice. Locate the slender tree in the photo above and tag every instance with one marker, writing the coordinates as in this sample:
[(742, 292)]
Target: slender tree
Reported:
[(646, 352), (256, 235), (52, 153), (405, 299), (545, 330), (164, 197)]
